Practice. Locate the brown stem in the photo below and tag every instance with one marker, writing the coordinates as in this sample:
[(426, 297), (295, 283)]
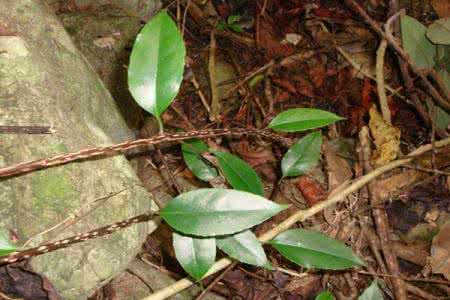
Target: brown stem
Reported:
[(61, 159), (382, 223), (52, 246)]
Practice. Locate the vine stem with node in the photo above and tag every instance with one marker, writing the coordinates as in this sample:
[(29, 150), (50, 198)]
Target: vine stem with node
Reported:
[(88, 153)]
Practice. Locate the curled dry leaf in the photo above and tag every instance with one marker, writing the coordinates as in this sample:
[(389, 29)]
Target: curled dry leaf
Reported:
[(386, 138), (440, 252), (311, 189)]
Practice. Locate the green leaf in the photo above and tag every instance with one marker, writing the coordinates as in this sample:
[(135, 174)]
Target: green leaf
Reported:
[(6, 246), (211, 212), (442, 118), (442, 58), (445, 77), (239, 174), (302, 156), (192, 151), (196, 255), (326, 295), (156, 64), (301, 119), (312, 249), (245, 247), (439, 32), (236, 28), (416, 43), (373, 292), (233, 19)]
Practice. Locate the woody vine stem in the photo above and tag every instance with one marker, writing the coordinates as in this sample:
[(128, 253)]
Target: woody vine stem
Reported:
[(184, 283)]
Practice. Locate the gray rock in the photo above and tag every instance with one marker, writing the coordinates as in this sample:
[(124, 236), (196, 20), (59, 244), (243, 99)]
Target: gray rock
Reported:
[(44, 80)]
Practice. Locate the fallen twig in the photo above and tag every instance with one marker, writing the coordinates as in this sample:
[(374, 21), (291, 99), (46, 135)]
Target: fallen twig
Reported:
[(381, 222), (380, 83)]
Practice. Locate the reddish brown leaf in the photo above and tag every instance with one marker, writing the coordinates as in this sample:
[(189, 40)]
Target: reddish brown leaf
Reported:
[(366, 93), (284, 83), (270, 41), (303, 86), (317, 73), (311, 189)]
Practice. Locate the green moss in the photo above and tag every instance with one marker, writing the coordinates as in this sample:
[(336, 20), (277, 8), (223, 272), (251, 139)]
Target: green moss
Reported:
[(53, 188)]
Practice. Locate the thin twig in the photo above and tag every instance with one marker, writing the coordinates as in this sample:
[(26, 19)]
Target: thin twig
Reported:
[(215, 281), (380, 82), (394, 23), (215, 103), (445, 282), (26, 130), (78, 214), (382, 224), (79, 238)]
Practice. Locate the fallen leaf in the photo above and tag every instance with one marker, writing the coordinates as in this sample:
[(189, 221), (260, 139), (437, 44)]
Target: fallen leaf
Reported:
[(441, 7), (303, 86), (338, 168), (304, 286), (440, 252), (386, 139), (311, 189), (386, 188), (285, 83), (317, 73), (271, 41)]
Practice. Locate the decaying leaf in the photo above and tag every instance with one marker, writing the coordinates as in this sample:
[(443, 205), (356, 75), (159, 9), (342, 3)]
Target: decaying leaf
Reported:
[(440, 252), (386, 139), (338, 168), (441, 7), (390, 187)]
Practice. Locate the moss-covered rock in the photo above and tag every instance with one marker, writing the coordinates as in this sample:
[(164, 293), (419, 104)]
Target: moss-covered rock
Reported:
[(44, 80)]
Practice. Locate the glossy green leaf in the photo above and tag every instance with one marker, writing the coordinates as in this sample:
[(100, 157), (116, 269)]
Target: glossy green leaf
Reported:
[(326, 295), (239, 174), (6, 246), (196, 255), (312, 249), (439, 31), (192, 151), (302, 156), (373, 292), (416, 43), (211, 212), (245, 247), (301, 119), (156, 64)]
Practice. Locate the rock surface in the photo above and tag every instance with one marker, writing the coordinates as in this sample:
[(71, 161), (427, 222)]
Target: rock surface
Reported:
[(44, 80)]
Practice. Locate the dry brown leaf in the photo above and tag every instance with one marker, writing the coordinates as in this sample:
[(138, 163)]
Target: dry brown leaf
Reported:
[(386, 138), (338, 168), (389, 187), (311, 189), (442, 8), (440, 252), (303, 286)]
